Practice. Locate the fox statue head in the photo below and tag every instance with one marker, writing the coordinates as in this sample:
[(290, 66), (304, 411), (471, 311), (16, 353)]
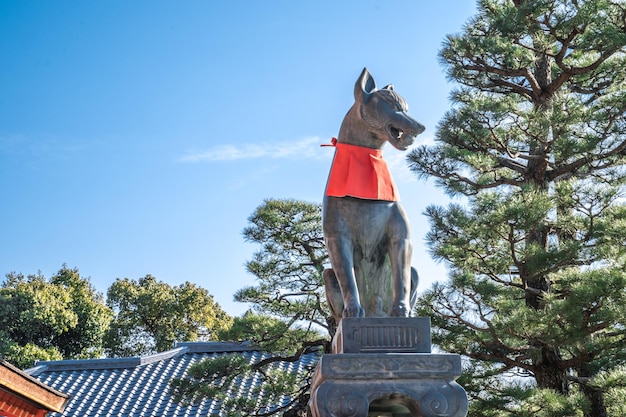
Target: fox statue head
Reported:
[(378, 116)]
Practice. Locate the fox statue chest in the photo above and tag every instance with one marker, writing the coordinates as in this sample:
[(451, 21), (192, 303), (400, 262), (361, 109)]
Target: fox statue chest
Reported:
[(366, 225)]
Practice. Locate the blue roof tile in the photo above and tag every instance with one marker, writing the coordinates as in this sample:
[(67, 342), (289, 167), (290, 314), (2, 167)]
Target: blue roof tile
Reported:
[(132, 387)]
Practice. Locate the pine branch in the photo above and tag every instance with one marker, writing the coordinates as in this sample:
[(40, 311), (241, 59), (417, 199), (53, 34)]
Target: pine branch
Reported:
[(306, 346)]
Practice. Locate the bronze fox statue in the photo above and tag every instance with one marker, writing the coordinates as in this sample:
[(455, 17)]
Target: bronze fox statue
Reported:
[(366, 230)]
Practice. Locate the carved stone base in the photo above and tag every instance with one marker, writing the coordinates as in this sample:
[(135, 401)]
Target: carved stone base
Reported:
[(392, 384), (362, 381)]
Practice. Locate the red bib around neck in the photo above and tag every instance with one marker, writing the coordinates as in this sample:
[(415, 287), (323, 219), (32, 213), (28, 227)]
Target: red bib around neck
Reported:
[(360, 172)]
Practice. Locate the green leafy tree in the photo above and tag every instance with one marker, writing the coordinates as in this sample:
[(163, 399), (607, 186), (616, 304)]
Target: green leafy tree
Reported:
[(535, 145), (289, 315), (60, 318), (151, 315)]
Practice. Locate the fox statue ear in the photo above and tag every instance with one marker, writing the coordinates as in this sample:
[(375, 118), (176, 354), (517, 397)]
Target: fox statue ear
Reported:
[(364, 86)]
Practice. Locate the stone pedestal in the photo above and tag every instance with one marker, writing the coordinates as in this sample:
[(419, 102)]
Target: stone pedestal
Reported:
[(383, 367)]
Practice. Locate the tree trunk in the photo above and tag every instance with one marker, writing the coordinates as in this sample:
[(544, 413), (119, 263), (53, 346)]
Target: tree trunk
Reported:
[(547, 366), (548, 371), (596, 400), (594, 396)]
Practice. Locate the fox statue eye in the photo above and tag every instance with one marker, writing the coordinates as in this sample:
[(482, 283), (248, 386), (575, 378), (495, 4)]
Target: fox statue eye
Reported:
[(395, 105)]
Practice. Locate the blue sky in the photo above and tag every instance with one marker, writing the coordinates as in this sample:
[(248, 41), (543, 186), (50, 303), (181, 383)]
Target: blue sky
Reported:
[(137, 137)]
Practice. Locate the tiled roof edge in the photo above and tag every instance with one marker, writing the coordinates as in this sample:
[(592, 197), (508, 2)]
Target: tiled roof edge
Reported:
[(31, 388)]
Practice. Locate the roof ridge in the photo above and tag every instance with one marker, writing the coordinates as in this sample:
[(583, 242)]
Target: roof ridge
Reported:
[(133, 362), (217, 347), (102, 363)]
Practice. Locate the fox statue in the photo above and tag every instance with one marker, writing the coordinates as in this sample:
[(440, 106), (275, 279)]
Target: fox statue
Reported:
[(366, 230)]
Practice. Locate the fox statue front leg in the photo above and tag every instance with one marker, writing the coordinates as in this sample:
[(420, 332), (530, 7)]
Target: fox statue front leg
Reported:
[(341, 257)]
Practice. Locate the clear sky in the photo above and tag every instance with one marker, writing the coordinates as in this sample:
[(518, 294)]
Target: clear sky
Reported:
[(137, 137)]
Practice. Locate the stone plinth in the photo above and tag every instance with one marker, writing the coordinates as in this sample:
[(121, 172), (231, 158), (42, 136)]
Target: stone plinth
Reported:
[(383, 335), (361, 380)]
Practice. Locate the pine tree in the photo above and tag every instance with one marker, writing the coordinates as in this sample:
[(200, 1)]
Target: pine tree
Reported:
[(534, 147)]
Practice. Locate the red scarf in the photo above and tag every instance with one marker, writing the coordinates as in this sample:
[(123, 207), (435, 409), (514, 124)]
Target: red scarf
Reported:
[(360, 172)]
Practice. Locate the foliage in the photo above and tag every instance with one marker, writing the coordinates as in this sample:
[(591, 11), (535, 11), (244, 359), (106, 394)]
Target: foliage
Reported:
[(290, 315), (535, 146), (151, 315), (24, 356), (60, 318)]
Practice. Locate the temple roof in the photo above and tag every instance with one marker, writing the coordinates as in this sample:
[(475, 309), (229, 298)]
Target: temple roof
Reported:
[(139, 386)]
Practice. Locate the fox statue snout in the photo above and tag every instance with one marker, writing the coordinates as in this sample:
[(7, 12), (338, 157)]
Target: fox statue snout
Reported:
[(386, 112)]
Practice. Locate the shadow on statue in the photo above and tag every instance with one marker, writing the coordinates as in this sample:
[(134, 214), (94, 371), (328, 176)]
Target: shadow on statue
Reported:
[(381, 362)]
